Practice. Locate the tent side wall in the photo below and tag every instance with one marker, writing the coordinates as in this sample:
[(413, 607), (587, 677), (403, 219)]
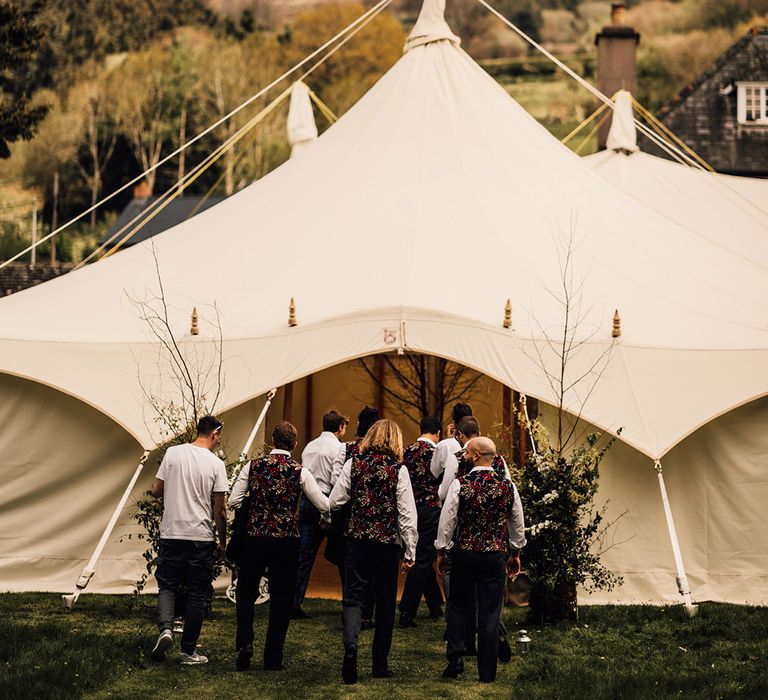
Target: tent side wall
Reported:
[(64, 468)]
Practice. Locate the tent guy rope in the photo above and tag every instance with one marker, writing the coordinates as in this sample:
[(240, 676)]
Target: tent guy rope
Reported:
[(366, 15)]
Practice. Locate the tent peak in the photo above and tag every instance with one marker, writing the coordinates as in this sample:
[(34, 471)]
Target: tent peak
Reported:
[(302, 129), (431, 26), (622, 136)]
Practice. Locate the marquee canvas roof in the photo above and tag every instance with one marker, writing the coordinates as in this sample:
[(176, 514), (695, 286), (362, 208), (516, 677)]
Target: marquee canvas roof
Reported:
[(408, 224)]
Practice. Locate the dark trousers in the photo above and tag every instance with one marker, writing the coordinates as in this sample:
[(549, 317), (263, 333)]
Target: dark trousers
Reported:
[(371, 563), (421, 578), (188, 563), (311, 537), (485, 573), (279, 557)]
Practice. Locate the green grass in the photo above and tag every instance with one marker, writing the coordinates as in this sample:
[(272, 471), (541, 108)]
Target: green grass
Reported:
[(100, 651)]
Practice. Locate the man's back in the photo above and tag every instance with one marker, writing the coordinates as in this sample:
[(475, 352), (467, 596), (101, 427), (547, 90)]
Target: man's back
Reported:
[(191, 475), (319, 456)]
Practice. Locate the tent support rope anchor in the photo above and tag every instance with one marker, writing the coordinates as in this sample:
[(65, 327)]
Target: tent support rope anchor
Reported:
[(681, 578), (90, 568)]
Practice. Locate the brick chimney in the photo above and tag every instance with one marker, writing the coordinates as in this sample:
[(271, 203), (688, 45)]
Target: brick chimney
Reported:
[(142, 190), (616, 60)]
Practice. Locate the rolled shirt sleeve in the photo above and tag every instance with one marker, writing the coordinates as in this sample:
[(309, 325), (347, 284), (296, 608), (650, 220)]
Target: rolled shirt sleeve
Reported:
[(516, 527), (240, 487), (340, 493), (338, 464), (451, 470), (407, 519), (448, 517)]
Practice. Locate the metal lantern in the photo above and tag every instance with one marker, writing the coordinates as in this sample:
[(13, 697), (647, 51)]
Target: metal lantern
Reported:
[(523, 642)]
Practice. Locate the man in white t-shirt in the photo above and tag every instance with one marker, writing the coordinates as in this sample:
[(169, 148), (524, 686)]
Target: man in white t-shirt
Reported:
[(193, 483)]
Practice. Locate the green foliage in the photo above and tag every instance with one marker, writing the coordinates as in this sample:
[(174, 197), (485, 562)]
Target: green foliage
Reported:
[(21, 39), (564, 528)]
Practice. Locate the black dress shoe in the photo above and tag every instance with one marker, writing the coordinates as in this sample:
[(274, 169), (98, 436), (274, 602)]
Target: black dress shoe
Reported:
[(382, 673), (407, 621), (244, 655), (505, 651), (454, 668), (298, 614), (367, 624), (436, 614), (349, 666)]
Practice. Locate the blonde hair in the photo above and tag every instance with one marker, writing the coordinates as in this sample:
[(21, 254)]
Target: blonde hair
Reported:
[(384, 436)]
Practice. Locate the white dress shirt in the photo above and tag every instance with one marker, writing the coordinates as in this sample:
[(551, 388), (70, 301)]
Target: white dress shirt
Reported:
[(407, 533), (452, 469), (319, 456), (443, 449), (450, 513), (308, 485)]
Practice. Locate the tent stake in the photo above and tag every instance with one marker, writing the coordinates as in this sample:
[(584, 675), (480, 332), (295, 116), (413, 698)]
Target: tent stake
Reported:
[(682, 579), (90, 568)]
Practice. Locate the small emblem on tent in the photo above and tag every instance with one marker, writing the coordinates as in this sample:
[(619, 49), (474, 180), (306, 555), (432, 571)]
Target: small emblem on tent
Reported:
[(390, 336)]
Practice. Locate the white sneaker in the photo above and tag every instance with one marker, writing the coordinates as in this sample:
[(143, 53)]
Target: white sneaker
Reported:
[(193, 659), (164, 642)]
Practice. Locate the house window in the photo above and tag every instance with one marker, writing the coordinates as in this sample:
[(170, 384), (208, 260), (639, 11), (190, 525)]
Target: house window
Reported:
[(752, 103)]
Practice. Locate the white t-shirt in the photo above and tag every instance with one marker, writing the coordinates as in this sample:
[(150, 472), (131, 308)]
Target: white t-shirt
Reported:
[(190, 474)]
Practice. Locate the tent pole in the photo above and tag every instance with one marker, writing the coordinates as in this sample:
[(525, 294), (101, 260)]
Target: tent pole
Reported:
[(90, 568), (257, 425), (682, 579)]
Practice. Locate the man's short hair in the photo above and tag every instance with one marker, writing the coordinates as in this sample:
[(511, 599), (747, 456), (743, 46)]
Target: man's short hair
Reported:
[(284, 436), (208, 424), (430, 425), (459, 411), (365, 419), (468, 426), (333, 421)]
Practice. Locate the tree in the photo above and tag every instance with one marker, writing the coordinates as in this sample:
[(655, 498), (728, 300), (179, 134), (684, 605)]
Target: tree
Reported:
[(353, 70), (232, 72), (421, 385), (20, 41), (151, 89), (558, 482)]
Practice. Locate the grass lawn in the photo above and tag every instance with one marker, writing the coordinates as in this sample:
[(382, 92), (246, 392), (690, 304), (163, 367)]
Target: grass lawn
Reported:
[(100, 651)]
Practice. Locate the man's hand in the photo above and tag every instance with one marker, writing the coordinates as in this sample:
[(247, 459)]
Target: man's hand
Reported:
[(513, 566), (406, 565), (450, 431), (441, 563), (221, 551)]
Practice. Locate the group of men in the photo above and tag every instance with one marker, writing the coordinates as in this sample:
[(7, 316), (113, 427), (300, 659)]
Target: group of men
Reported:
[(445, 505)]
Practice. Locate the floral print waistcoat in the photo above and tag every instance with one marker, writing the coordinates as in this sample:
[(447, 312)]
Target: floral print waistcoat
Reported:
[(373, 498), (274, 483), (465, 466), (418, 459), (485, 504)]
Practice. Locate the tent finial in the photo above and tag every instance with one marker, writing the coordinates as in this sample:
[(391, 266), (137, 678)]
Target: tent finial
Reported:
[(431, 26), (508, 314), (616, 332), (195, 328), (292, 322)]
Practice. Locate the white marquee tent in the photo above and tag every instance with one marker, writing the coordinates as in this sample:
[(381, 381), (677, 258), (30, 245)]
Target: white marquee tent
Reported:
[(406, 226)]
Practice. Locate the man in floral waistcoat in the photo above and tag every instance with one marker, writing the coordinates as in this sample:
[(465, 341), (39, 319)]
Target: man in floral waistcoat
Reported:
[(274, 483), (418, 458), (482, 524)]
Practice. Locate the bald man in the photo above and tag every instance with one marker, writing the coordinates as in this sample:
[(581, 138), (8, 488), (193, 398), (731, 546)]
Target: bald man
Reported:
[(482, 524)]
